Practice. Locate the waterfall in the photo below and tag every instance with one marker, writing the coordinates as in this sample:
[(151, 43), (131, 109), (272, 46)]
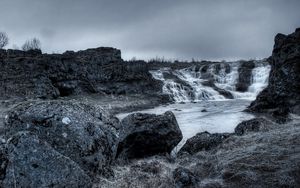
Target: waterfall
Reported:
[(260, 78), (186, 87), (214, 81)]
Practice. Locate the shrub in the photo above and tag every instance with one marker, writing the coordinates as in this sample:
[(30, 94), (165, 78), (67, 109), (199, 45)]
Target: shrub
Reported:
[(32, 44), (3, 40)]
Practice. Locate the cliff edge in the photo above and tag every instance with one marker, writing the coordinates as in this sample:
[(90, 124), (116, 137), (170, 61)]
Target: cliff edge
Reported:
[(283, 92)]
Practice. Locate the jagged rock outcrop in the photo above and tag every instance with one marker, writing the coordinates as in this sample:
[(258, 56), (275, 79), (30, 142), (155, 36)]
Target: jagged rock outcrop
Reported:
[(70, 129), (283, 91), (203, 141), (27, 161), (144, 135), (100, 70)]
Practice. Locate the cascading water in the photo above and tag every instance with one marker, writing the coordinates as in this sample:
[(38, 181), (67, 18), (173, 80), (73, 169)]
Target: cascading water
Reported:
[(185, 87), (211, 81), (260, 77)]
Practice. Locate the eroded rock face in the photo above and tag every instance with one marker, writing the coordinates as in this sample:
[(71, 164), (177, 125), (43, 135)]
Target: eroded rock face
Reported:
[(99, 70), (203, 141), (31, 162), (283, 91), (70, 129), (144, 135), (253, 125)]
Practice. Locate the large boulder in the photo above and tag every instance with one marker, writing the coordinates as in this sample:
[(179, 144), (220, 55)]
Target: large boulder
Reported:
[(144, 135), (69, 128), (203, 141), (253, 125), (283, 91), (27, 161)]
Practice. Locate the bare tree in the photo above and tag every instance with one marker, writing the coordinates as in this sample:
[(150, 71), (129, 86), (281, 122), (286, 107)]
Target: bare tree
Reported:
[(3, 40), (32, 44)]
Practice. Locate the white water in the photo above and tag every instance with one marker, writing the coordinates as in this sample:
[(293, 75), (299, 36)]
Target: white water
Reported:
[(181, 93), (194, 90), (222, 115), (260, 76)]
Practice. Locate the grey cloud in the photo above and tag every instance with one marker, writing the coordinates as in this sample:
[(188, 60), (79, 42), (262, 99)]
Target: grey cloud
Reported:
[(198, 29)]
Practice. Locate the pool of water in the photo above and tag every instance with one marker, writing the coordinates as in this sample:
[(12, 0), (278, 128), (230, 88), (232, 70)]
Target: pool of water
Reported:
[(212, 116)]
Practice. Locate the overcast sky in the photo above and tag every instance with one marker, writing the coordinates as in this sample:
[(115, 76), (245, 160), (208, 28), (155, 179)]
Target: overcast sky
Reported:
[(183, 29)]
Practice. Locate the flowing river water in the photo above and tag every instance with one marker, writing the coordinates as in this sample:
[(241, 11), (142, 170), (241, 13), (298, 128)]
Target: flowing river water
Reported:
[(200, 108)]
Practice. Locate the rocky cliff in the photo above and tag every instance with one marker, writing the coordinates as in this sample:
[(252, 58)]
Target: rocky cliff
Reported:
[(283, 92), (101, 70)]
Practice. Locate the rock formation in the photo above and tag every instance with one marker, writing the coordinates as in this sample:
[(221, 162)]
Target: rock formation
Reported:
[(69, 129), (283, 91), (245, 75), (253, 125), (203, 141), (28, 161), (101, 70), (144, 135), (66, 143)]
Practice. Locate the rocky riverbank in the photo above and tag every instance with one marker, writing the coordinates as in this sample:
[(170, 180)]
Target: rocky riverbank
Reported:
[(58, 126)]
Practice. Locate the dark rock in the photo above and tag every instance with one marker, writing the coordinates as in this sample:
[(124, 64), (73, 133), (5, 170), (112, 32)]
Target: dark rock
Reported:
[(19, 53), (3, 162), (204, 110), (253, 125), (66, 87), (283, 90), (95, 55), (144, 135), (245, 75), (70, 129), (203, 141), (34, 163), (212, 67), (223, 65), (184, 178), (100, 70)]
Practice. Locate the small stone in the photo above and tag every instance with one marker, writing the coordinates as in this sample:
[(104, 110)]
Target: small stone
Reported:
[(64, 135), (66, 120)]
